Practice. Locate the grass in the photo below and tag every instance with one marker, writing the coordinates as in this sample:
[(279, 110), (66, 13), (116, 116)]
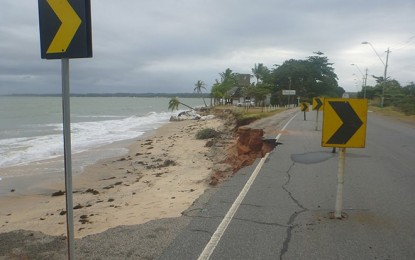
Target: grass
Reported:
[(246, 116), (393, 112)]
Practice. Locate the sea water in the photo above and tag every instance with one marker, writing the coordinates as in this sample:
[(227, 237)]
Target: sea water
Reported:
[(31, 129)]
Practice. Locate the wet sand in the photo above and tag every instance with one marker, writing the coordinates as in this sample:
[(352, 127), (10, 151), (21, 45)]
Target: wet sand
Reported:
[(160, 177)]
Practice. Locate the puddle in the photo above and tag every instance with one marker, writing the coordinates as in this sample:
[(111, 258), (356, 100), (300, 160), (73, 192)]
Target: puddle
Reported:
[(312, 157), (316, 157)]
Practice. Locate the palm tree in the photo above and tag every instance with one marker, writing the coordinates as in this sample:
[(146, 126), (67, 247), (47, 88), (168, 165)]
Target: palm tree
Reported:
[(199, 86), (174, 104), (257, 71), (227, 76)]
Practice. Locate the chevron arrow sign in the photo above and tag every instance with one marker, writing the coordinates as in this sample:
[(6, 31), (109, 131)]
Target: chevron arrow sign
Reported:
[(65, 29), (318, 103), (344, 123), (304, 106)]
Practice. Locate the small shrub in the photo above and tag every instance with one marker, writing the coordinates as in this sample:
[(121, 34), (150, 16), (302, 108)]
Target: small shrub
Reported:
[(207, 133)]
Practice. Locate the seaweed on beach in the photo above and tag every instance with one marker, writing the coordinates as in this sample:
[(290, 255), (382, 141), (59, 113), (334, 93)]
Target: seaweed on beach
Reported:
[(58, 193)]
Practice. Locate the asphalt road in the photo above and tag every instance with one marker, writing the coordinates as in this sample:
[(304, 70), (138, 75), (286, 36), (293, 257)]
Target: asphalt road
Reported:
[(285, 214)]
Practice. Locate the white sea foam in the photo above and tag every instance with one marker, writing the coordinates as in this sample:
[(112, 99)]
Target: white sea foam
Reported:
[(84, 135)]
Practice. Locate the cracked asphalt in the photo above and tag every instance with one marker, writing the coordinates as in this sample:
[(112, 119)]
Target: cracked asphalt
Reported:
[(286, 214)]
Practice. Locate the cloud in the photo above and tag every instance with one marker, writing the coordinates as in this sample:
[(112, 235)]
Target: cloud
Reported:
[(166, 46)]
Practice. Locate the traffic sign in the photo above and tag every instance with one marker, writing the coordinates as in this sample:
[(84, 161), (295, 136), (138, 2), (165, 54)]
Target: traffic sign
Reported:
[(344, 122), (305, 107), (288, 92), (318, 103), (65, 29)]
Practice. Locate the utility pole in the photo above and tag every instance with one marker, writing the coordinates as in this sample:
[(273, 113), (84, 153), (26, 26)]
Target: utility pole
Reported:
[(289, 88), (365, 82), (364, 79), (384, 73), (386, 65), (384, 78)]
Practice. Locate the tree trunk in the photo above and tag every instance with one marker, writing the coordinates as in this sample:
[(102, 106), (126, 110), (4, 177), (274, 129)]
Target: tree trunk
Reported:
[(187, 106)]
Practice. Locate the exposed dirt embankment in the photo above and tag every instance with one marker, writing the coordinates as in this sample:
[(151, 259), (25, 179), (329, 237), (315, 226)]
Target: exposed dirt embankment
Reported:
[(245, 146)]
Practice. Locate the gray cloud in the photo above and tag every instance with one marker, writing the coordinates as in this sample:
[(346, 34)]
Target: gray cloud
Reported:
[(166, 46)]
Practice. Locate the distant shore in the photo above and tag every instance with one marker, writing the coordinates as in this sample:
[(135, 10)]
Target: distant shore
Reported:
[(161, 176), (168, 95)]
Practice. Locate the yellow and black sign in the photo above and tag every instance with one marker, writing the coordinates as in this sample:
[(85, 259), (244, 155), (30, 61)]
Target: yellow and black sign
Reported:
[(65, 29), (318, 103), (344, 122), (304, 106)]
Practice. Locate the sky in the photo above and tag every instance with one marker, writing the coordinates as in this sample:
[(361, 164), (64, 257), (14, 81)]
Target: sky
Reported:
[(166, 46)]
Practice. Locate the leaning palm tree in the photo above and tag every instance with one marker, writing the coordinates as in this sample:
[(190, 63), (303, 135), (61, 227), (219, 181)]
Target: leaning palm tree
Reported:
[(198, 88), (174, 104)]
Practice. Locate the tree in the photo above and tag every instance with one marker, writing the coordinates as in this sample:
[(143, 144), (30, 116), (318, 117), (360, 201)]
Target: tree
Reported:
[(260, 72), (380, 79), (259, 92), (324, 74), (174, 104), (311, 77), (217, 92), (220, 89), (227, 76), (198, 89), (409, 89)]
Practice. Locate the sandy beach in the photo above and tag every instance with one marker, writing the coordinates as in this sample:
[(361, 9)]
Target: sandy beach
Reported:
[(160, 177)]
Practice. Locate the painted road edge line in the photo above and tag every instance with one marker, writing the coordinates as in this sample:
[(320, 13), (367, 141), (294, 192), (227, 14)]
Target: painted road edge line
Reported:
[(214, 240), (285, 126)]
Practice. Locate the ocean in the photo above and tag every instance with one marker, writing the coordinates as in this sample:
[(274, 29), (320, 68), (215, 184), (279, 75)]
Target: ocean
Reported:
[(31, 130)]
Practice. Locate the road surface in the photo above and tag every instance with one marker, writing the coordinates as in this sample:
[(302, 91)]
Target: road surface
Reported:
[(285, 213)]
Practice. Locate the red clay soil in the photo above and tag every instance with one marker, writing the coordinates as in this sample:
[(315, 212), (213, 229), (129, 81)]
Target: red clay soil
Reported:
[(249, 146)]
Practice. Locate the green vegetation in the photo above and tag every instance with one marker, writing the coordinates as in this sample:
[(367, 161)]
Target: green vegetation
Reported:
[(198, 89), (402, 98), (207, 133), (394, 113), (249, 116), (146, 95), (311, 77), (174, 104), (221, 88)]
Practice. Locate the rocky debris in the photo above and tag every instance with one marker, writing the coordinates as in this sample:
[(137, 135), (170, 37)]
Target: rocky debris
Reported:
[(186, 115), (192, 115)]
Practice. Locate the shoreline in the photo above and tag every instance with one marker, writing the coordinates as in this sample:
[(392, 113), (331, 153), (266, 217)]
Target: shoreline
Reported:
[(163, 173)]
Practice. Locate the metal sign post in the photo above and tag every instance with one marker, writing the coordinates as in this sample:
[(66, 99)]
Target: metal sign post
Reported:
[(318, 103), (67, 155), (304, 108), (65, 33), (340, 182), (344, 126), (317, 120)]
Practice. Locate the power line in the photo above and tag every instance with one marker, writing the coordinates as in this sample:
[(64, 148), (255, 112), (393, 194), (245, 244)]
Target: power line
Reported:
[(404, 44)]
